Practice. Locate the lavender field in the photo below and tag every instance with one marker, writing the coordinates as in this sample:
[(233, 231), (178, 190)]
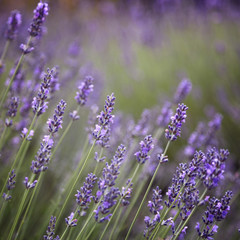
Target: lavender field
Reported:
[(119, 120)]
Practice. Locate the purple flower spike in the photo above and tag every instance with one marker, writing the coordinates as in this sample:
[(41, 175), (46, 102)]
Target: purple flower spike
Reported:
[(12, 110), (85, 88), (174, 129), (145, 147), (56, 123), (39, 103), (51, 229), (40, 13), (164, 118), (70, 221), (13, 23), (184, 87)]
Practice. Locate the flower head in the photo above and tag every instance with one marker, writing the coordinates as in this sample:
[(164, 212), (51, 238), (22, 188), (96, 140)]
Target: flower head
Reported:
[(13, 23)]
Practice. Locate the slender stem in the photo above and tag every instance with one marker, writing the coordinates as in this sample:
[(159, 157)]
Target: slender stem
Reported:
[(19, 152), (2, 136), (146, 193), (115, 225), (92, 229), (75, 182), (29, 203), (14, 74), (19, 211), (194, 209), (64, 233), (5, 49)]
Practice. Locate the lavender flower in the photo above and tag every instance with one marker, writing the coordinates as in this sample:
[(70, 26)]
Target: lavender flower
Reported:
[(184, 87), (85, 88), (50, 230), (10, 185), (84, 196), (39, 104), (146, 146), (102, 130), (28, 184), (126, 193), (174, 129), (70, 221), (25, 132), (74, 115), (43, 155), (216, 211), (166, 113), (12, 110), (13, 23), (56, 123), (40, 14)]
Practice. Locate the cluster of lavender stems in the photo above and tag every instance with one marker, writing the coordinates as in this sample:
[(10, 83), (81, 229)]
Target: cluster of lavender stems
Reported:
[(117, 181)]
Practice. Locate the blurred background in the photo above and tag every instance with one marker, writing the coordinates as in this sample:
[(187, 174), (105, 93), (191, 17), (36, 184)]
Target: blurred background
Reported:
[(141, 50)]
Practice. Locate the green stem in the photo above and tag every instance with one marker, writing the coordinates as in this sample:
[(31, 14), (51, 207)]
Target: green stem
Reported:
[(75, 182), (194, 209), (14, 74), (2, 136), (19, 153), (89, 234), (19, 211), (5, 49), (30, 202), (115, 225), (146, 193)]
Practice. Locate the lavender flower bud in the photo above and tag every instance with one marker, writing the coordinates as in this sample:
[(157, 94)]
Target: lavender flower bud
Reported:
[(184, 87), (146, 146), (174, 129), (39, 104), (85, 88), (25, 48), (28, 184), (40, 13), (12, 110), (56, 123), (24, 134), (70, 221), (126, 193), (13, 23), (74, 115), (51, 229)]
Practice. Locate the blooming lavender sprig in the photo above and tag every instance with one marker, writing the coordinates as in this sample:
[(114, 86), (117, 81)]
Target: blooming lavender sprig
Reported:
[(166, 113), (10, 185), (43, 155), (126, 193), (70, 221), (217, 210), (213, 167), (184, 87), (12, 111), (145, 147), (84, 195), (56, 123), (174, 129), (155, 206), (13, 23), (25, 132), (85, 88), (40, 13), (102, 130), (50, 230), (106, 183), (39, 103)]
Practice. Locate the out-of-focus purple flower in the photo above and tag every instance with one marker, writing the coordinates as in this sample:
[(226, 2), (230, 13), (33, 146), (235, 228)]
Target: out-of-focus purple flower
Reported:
[(184, 88), (25, 48), (50, 230), (85, 88), (97, 158), (26, 134), (84, 195), (70, 221), (74, 115), (55, 85), (56, 123), (28, 184), (12, 110), (13, 23), (10, 185), (39, 103), (164, 118), (40, 13), (174, 129), (145, 147), (43, 155)]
